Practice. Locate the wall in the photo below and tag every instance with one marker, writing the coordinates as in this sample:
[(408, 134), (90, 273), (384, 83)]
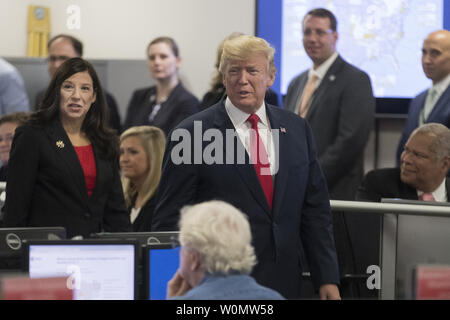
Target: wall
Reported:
[(113, 29)]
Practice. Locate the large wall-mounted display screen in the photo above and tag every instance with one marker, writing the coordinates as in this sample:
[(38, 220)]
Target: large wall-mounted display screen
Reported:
[(382, 37)]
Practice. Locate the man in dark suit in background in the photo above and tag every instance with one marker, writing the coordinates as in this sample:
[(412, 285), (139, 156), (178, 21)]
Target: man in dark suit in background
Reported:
[(425, 162), (281, 188), (422, 175), (63, 47), (337, 101), (433, 104)]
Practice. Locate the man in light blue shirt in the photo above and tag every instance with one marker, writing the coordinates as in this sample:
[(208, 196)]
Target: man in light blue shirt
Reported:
[(216, 256), (13, 96)]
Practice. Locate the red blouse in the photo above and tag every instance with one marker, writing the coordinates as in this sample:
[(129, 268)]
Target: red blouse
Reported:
[(87, 161)]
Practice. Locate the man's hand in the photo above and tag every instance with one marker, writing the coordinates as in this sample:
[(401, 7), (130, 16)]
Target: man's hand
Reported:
[(329, 292), (177, 286)]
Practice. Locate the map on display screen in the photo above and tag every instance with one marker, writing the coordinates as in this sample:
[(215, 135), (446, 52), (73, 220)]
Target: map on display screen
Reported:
[(382, 37)]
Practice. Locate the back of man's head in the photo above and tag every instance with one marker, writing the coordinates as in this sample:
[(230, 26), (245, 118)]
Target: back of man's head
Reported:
[(221, 235)]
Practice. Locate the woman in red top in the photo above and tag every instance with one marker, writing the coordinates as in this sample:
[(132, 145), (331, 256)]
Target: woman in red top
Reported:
[(64, 169)]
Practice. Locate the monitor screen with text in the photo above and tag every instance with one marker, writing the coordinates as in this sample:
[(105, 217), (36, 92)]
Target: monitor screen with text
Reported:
[(97, 271)]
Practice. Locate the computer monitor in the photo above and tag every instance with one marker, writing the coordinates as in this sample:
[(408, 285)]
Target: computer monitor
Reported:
[(97, 269), (161, 263), (11, 240), (408, 240)]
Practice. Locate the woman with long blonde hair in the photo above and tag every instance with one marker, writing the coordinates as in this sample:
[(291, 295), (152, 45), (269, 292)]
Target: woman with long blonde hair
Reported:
[(141, 153)]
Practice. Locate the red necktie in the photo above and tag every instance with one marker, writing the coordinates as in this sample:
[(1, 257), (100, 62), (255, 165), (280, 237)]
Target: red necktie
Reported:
[(260, 160), (427, 196)]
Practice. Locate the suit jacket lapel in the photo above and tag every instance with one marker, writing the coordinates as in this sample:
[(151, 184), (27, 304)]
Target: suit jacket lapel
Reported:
[(331, 76), (447, 188), (441, 105), (281, 150), (101, 167), (246, 171), (408, 192), (64, 149)]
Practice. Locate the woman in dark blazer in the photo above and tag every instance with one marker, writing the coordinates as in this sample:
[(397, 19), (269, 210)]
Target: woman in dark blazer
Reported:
[(63, 166), (141, 154), (167, 103)]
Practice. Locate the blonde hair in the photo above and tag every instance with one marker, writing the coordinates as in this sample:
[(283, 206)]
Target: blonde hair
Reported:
[(243, 47), (221, 235), (153, 141)]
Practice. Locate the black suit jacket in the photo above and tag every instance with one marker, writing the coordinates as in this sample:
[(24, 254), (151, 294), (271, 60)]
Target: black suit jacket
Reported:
[(301, 210), (341, 115), (143, 222), (386, 183), (179, 105), (46, 186)]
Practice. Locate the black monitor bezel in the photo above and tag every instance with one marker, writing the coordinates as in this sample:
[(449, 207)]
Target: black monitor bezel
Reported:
[(22, 233), (134, 243)]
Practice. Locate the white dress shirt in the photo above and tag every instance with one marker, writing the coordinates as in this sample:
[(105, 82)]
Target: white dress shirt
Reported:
[(439, 195), (242, 126)]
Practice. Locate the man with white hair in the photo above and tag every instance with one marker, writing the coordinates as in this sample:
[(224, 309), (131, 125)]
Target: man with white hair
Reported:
[(216, 256)]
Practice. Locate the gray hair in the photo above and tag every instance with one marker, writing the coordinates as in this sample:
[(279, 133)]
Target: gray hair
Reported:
[(441, 134), (221, 235)]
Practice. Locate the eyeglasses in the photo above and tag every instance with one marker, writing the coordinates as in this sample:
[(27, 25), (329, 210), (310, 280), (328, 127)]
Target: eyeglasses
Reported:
[(318, 32)]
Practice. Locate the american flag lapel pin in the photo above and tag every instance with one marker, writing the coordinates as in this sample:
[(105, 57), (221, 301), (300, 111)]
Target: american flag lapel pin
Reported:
[(283, 129)]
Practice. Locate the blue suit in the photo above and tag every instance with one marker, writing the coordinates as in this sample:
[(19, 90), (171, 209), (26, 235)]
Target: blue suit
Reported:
[(301, 210), (440, 114)]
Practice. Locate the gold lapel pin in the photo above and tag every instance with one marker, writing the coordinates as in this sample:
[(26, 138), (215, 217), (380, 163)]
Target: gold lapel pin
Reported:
[(60, 144)]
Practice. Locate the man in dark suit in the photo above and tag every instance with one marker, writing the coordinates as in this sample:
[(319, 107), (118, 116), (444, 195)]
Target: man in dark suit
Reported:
[(433, 104), (425, 162), (281, 188), (63, 47), (338, 104)]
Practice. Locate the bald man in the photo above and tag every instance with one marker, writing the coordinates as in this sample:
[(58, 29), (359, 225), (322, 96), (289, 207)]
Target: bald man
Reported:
[(432, 105)]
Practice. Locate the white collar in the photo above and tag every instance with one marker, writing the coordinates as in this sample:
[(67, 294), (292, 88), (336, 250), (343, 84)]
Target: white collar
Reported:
[(238, 117), (322, 70), (440, 194), (442, 85)]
